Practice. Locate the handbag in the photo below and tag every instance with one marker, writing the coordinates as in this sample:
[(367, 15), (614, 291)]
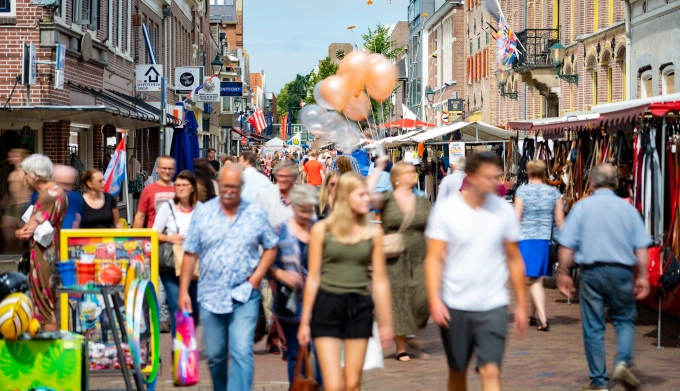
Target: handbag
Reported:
[(393, 244), (303, 382)]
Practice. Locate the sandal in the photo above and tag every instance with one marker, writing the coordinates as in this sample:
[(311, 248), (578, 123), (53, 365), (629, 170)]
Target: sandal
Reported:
[(401, 355), (532, 321), (544, 328)]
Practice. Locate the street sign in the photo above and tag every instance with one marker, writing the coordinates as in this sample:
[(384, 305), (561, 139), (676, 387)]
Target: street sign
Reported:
[(61, 56), (187, 79), (148, 77), (455, 105), (209, 92), (231, 88), (59, 79), (30, 67)]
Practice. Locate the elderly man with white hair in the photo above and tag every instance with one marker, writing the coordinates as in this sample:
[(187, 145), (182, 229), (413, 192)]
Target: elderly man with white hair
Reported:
[(452, 183), (42, 233)]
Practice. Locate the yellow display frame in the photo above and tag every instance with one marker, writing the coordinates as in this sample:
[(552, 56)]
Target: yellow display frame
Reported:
[(142, 233)]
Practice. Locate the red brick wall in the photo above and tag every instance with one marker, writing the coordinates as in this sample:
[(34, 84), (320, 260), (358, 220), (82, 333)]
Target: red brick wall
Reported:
[(55, 141)]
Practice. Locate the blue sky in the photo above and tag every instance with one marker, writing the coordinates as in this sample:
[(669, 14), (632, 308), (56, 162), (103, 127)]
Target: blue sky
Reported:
[(286, 37)]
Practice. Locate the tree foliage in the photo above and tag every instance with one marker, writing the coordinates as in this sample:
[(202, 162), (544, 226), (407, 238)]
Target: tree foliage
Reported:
[(291, 94)]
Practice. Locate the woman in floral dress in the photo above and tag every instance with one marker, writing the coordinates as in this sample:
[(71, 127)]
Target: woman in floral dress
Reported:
[(49, 206)]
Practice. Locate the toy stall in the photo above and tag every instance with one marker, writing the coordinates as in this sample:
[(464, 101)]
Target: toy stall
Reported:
[(108, 313)]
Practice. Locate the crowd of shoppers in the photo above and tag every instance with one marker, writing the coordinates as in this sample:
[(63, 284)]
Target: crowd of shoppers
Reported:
[(334, 271)]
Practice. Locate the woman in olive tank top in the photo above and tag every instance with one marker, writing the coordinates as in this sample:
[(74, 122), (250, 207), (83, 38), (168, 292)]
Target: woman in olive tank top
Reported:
[(337, 304)]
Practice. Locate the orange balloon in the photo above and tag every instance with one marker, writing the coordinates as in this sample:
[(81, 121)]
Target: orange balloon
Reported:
[(354, 67), (382, 77), (358, 107), (335, 92)]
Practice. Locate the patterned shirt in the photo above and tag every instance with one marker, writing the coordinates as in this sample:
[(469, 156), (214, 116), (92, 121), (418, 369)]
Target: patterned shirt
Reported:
[(539, 210), (355, 164), (228, 252)]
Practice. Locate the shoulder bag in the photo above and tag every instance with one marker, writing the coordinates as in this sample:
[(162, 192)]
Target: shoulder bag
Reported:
[(178, 251), (303, 382), (393, 244), (166, 258)]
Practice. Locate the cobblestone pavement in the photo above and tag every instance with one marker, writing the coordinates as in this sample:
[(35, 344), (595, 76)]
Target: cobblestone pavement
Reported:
[(540, 361)]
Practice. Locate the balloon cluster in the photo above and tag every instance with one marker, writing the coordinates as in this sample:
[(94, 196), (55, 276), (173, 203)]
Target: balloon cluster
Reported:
[(344, 92)]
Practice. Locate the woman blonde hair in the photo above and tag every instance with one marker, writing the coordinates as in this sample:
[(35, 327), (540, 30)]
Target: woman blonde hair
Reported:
[(340, 220), (399, 169), (325, 193), (536, 169)]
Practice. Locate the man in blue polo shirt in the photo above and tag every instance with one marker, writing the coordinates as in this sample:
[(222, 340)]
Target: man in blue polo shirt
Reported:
[(605, 235)]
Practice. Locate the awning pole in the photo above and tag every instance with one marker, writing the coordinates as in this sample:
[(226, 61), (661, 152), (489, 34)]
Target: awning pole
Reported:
[(663, 175), (476, 132)]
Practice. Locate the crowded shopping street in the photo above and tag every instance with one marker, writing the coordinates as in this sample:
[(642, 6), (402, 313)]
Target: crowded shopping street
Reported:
[(339, 195)]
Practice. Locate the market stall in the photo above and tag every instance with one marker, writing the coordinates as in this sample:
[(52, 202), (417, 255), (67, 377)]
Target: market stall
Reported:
[(641, 138)]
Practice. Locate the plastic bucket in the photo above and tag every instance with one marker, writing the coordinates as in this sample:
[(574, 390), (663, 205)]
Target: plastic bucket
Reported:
[(85, 272), (67, 272)]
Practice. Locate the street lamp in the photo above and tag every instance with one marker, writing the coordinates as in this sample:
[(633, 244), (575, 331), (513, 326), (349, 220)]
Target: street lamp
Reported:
[(429, 94), (217, 63), (502, 82), (558, 52)]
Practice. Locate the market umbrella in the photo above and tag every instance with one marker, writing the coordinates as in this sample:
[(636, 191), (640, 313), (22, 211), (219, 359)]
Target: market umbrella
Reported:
[(406, 123), (184, 147)]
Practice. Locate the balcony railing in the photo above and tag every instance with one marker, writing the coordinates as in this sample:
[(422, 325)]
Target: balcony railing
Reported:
[(535, 47)]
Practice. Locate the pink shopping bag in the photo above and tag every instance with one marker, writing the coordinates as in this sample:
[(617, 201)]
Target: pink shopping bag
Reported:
[(184, 351)]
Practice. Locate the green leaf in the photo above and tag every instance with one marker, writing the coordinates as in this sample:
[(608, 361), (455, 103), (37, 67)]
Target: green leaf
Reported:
[(59, 362), (16, 358)]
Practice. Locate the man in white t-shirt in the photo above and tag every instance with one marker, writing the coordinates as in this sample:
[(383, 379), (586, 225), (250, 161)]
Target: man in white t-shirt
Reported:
[(471, 250)]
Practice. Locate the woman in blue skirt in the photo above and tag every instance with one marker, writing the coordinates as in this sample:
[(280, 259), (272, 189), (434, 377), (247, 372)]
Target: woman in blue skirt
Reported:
[(538, 207)]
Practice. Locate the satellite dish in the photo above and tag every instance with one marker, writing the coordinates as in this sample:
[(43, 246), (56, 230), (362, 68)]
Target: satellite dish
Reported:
[(109, 130)]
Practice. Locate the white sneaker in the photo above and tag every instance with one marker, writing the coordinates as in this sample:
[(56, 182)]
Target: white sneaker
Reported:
[(624, 376)]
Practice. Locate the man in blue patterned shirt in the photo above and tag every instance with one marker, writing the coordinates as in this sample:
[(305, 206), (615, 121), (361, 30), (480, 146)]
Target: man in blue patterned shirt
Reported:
[(225, 233)]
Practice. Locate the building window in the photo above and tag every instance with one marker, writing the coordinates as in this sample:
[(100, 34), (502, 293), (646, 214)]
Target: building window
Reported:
[(646, 85), (85, 12), (487, 38), (594, 88), (5, 6), (609, 85), (479, 42), (668, 80), (470, 47)]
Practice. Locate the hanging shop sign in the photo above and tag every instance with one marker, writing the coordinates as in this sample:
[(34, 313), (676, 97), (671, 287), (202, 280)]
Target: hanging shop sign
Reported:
[(456, 149), (210, 91), (231, 88), (148, 77), (187, 79)]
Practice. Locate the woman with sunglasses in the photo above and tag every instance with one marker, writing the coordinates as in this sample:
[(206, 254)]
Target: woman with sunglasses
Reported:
[(100, 210), (172, 223)]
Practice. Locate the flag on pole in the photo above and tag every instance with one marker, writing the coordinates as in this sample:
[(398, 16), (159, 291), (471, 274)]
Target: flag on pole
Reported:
[(506, 44), (115, 172), (257, 121), (284, 123)]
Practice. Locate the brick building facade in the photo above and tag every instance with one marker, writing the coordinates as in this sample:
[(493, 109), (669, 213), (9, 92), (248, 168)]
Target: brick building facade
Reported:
[(104, 42)]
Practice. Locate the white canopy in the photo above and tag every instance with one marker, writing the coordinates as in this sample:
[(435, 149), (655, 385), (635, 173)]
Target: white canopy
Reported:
[(275, 142), (471, 131), (394, 139)]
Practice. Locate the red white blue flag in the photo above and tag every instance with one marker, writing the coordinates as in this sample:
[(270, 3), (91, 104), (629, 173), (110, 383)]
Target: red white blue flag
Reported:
[(257, 121), (115, 172)]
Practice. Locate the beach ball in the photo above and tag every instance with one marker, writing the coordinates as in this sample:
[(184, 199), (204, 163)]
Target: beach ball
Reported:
[(12, 282), (111, 275), (16, 312)]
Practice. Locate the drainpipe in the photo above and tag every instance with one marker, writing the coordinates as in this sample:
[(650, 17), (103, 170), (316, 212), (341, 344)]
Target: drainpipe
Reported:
[(524, 96), (626, 10)]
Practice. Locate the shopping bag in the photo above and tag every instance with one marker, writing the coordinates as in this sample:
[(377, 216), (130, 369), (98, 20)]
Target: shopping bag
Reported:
[(374, 353), (184, 351)]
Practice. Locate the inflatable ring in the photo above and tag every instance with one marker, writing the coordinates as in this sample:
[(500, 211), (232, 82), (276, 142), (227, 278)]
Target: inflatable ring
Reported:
[(141, 291)]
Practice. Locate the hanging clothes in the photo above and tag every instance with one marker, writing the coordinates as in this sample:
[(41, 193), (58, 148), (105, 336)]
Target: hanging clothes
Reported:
[(652, 186)]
